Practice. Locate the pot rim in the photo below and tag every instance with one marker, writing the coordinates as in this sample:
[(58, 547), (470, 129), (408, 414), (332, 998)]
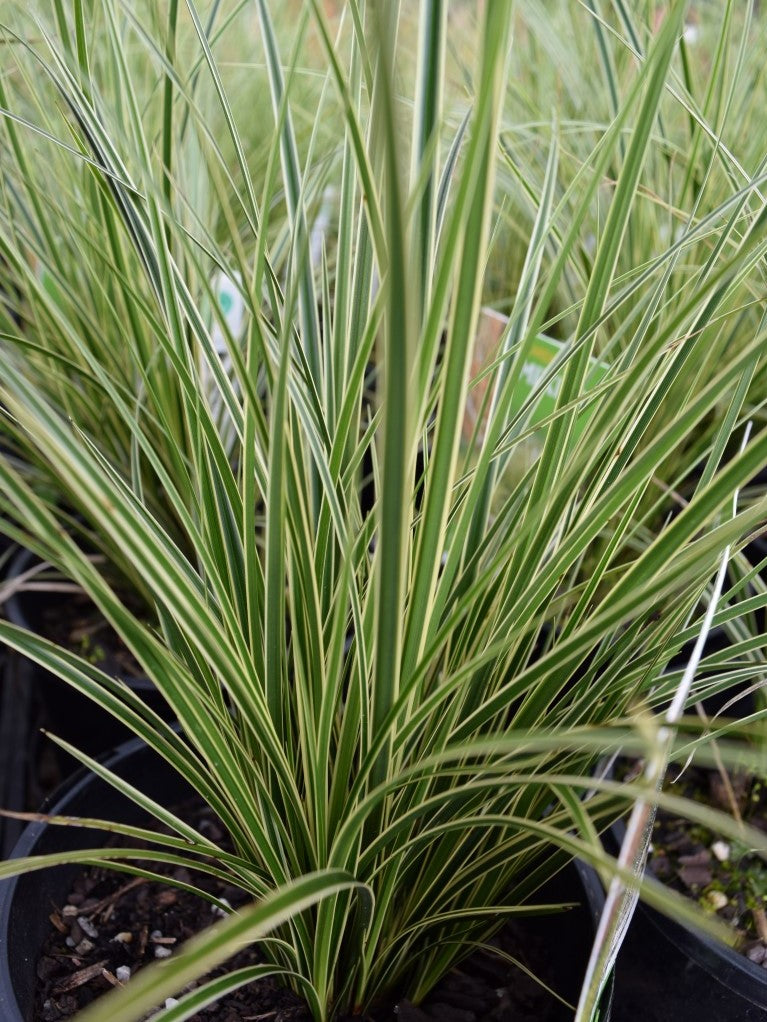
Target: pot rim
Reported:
[(74, 787), (726, 965)]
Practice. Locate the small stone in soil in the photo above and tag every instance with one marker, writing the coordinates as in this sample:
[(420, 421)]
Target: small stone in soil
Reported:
[(220, 913), (123, 973), (757, 954), (717, 900), (721, 850), (87, 926)]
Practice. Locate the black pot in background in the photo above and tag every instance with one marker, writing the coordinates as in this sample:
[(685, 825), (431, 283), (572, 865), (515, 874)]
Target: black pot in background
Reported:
[(25, 901), (16, 745), (670, 972), (16, 739), (63, 710)]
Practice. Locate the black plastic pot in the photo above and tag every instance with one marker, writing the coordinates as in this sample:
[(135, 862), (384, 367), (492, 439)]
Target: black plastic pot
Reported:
[(65, 712), (696, 978), (16, 743), (25, 901)]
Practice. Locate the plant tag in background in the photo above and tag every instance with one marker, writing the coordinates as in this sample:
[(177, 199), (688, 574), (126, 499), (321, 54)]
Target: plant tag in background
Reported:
[(233, 307), (543, 351)]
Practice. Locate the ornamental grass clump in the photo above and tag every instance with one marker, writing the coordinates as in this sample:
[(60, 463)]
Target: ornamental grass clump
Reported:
[(395, 714)]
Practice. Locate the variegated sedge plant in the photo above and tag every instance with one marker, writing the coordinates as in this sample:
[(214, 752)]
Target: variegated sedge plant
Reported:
[(701, 148), (394, 714), (75, 293)]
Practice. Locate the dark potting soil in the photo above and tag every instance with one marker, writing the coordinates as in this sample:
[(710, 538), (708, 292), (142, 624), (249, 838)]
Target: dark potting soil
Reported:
[(74, 623), (725, 877), (78, 625), (112, 922)]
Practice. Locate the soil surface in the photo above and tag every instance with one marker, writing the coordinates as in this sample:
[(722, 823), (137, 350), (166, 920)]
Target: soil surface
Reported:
[(73, 622), (112, 924), (78, 625), (723, 876)]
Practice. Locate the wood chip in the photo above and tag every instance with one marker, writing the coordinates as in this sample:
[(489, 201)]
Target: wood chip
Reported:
[(760, 922), (696, 869), (58, 922), (696, 876), (111, 899), (77, 979)]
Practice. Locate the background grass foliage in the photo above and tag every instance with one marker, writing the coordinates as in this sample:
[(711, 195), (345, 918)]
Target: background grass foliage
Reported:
[(394, 704)]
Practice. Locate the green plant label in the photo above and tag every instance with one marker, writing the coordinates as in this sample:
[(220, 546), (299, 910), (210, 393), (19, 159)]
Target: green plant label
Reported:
[(541, 354), (543, 351)]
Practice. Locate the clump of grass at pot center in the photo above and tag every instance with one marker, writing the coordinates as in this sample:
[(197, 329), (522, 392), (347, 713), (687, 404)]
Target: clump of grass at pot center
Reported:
[(395, 714)]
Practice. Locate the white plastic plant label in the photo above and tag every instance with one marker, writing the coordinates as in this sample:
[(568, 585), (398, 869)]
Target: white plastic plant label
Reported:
[(231, 304), (232, 309)]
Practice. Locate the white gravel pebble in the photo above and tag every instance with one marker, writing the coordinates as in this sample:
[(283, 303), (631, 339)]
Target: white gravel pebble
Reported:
[(171, 1002), (87, 926), (220, 912), (123, 973), (162, 952), (717, 899), (721, 850)]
